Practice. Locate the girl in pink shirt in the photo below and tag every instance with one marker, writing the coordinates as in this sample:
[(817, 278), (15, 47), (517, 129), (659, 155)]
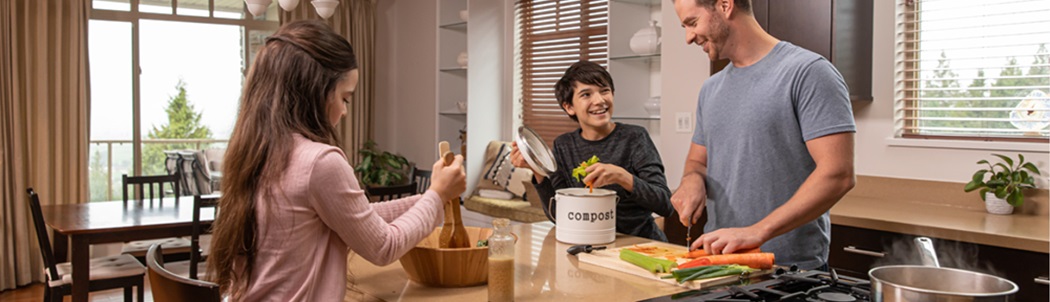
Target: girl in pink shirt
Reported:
[(292, 208)]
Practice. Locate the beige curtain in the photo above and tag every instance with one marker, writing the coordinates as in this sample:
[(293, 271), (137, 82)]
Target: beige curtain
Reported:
[(355, 20), (43, 121)]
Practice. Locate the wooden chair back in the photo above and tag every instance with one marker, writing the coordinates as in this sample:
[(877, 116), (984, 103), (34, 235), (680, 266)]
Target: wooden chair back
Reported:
[(150, 182), (392, 192), (41, 235), (199, 202), (169, 287), (422, 180)]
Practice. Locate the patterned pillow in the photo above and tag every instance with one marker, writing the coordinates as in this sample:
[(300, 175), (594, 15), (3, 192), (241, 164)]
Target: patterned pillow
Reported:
[(498, 170)]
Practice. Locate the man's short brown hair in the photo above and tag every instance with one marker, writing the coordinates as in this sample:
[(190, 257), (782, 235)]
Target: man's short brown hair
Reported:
[(742, 5)]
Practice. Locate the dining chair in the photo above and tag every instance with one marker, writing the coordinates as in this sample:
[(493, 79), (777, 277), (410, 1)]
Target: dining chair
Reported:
[(150, 182), (391, 192), (200, 244), (168, 286), (180, 247), (422, 179), (120, 271)]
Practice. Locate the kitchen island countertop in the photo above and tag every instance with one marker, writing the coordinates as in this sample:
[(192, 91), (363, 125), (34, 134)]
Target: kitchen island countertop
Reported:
[(543, 271)]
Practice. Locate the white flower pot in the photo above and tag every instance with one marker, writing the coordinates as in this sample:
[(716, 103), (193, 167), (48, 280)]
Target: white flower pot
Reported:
[(995, 205)]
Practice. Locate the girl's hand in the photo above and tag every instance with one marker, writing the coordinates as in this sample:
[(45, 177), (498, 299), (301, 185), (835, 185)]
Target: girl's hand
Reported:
[(448, 181)]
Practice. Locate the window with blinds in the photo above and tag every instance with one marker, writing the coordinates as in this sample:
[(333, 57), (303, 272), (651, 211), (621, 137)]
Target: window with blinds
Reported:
[(973, 69), (554, 34)]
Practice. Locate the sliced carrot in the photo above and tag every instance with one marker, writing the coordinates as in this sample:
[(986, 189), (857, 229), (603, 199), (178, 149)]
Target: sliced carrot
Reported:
[(754, 260), (700, 253)]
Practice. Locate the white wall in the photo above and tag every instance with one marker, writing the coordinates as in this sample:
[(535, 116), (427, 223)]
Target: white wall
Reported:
[(406, 79), (684, 68)]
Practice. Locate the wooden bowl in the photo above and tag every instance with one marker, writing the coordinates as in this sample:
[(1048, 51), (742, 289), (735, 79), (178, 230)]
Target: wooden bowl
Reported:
[(431, 265)]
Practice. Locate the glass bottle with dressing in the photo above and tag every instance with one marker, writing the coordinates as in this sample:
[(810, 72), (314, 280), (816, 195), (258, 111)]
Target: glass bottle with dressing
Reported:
[(501, 262)]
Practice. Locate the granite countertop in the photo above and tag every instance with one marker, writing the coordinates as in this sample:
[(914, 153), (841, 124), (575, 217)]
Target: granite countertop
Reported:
[(1023, 231)]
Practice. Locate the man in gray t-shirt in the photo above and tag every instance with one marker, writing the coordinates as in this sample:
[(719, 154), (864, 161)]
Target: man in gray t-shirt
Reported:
[(772, 150)]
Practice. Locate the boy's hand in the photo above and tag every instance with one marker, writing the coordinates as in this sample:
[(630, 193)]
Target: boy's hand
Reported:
[(602, 174), (518, 160)]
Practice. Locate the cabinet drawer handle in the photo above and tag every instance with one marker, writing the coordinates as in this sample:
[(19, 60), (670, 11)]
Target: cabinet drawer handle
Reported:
[(1042, 280), (855, 250)]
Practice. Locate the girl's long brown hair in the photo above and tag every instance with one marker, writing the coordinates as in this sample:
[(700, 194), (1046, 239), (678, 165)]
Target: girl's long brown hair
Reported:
[(285, 92)]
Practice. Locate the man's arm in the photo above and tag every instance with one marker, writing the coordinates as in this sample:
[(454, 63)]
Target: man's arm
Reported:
[(832, 178), (691, 196)]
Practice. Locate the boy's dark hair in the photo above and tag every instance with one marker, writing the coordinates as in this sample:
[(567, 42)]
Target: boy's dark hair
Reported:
[(585, 72)]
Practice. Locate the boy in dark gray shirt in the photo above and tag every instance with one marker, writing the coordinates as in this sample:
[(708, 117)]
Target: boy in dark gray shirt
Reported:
[(629, 163)]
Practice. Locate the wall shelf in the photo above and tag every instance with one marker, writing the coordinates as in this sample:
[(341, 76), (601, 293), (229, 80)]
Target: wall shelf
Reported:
[(643, 2), (453, 69), (651, 118), (462, 26), (636, 57)]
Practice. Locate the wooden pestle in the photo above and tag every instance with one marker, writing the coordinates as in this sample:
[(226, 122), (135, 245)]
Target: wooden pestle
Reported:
[(453, 234)]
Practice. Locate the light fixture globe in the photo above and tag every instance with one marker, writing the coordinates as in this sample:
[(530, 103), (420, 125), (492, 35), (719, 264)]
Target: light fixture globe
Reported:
[(288, 5), (325, 8), (257, 7)]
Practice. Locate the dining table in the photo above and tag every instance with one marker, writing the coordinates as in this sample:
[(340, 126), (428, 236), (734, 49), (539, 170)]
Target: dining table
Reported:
[(543, 271), (83, 224)]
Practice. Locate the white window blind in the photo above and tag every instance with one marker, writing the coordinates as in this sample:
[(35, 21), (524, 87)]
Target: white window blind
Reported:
[(973, 69), (552, 36)]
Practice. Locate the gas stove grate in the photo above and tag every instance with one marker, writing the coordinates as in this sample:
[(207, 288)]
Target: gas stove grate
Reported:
[(787, 285)]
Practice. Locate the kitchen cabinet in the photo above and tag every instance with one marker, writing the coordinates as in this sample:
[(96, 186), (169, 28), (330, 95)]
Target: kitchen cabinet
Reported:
[(637, 76), (854, 251), (452, 75), (839, 30)]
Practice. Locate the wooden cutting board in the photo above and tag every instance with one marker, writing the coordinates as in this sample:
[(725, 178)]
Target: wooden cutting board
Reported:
[(610, 259)]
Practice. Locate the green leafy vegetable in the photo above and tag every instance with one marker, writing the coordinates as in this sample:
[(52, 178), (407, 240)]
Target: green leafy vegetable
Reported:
[(704, 272), (654, 265), (581, 171)]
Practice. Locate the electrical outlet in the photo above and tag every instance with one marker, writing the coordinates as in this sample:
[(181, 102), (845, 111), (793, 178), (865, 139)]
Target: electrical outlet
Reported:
[(683, 122)]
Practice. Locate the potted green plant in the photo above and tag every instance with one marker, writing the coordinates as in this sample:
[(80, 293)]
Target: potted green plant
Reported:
[(1004, 189), (380, 168)]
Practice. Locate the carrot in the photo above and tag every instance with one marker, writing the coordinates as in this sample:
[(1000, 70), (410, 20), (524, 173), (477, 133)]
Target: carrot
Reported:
[(754, 260), (700, 253)]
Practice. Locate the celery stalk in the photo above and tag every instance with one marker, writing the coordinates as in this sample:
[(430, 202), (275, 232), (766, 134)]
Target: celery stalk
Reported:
[(653, 265)]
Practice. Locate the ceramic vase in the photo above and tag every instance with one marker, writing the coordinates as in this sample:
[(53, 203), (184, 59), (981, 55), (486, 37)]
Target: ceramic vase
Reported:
[(462, 59), (653, 106), (647, 40)]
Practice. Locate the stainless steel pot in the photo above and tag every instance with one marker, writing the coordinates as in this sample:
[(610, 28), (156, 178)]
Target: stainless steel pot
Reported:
[(932, 283)]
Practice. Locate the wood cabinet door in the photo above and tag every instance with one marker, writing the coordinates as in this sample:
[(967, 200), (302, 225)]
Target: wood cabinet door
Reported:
[(806, 23)]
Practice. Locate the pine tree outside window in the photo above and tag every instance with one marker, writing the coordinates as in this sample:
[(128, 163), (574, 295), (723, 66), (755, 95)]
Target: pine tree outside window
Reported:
[(973, 70)]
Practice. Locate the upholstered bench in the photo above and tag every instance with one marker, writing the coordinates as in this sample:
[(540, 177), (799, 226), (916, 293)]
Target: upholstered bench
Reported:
[(513, 209)]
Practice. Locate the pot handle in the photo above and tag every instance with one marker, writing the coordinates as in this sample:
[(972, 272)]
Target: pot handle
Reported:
[(1042, 280), (548, 213), (926, 252), (855, 250)]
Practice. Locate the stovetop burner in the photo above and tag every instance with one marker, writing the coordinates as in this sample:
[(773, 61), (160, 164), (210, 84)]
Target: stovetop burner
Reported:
[(786, 285)]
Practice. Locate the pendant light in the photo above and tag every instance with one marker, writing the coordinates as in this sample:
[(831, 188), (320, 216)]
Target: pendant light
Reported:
[(257, 7)]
